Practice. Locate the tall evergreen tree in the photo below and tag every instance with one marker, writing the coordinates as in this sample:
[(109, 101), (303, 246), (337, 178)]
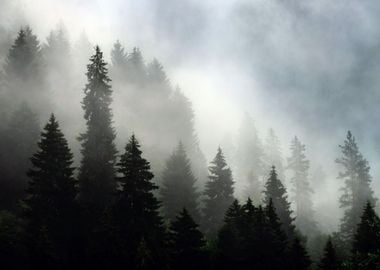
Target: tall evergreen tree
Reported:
[(186, 243), (136, 68), (119, 61), (329, 261), (178, 186), (218, 194), (136, 212), (273, 154), (301, 189), (250, 166), (298, 257), (97, 173), (50, 206), (356, 191), (275, 191), (366, 243), (18, 144)]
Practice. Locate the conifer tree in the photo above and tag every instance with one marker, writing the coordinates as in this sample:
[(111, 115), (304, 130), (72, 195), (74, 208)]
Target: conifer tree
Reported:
[(119, 61), (357, 188), (273, 154), (250, 159), (178, 186), (329, 261), (218, 194), (97, 173), (186, 243), (136, 211), (366, 243), (298, 257), (299, 166), (275, 191), (18, 143), (50, 206), (136, 69)]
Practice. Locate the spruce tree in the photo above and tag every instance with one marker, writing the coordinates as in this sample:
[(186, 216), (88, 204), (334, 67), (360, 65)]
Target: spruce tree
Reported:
[(329, 261), (273, 154), (18, 143), (302, 192), (178, 189), (186, 243), (366, 242), (250, 159), (136, 69), (97, 173), (275, 191), (136, 211), (298, 257), (357, 188), (50, 206), (119, 61), (218, 194)]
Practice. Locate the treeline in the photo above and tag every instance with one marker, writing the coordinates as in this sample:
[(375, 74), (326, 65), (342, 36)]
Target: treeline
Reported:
[(112, 214)]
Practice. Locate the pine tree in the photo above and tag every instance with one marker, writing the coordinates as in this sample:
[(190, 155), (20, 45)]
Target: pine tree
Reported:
[(366, 242), (136, 69), (186, 243), (302, 191), (119, 61), (298, 257), (218, 192), (178, 186), (329, 261), (275, 191), (18, 143), (356, 191), (97, 173), (250, 159), (50, 206), (136, 211), (273, 154)]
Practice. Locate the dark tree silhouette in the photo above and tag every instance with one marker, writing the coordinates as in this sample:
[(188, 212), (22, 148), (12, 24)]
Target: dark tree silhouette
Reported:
[(330, 260), (136, 212), (178, 186), (298, 257), (186, 243), (275, 191), (218, 194), (50, 206), (97, 173)]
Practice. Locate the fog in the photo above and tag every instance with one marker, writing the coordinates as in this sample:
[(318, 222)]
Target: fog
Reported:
[(305, 68)]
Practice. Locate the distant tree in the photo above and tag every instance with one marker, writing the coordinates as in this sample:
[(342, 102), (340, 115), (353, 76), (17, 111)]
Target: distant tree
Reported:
[(275, 191), (97, 172), (178, 186), (158, 79), (136, 212), (273, 154), (19, 141), (366, 242), (186, 243), (218, 194), (298, 257), (250, 166), (299, 166), (356, 191), (119, 61), (329, 261), (82, 51), (136, 69), (182, 127), (50, 206)]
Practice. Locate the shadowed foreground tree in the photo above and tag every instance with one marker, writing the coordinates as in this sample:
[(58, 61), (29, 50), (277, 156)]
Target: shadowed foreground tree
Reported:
[(219, 194), (298, 257), (50, 206), (178, 186), (140, 231), (97, 173), (329, 261), (275, 191), (186, 243), (366, 243)]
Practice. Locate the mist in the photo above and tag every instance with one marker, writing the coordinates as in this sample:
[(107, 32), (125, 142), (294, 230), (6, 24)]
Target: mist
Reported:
[(302, 68)]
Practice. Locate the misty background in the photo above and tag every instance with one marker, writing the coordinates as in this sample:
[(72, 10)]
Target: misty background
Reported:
[(302, 68)]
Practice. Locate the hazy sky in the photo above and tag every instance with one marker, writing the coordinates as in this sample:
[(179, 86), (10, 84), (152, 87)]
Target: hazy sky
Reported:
[(309, 68)]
